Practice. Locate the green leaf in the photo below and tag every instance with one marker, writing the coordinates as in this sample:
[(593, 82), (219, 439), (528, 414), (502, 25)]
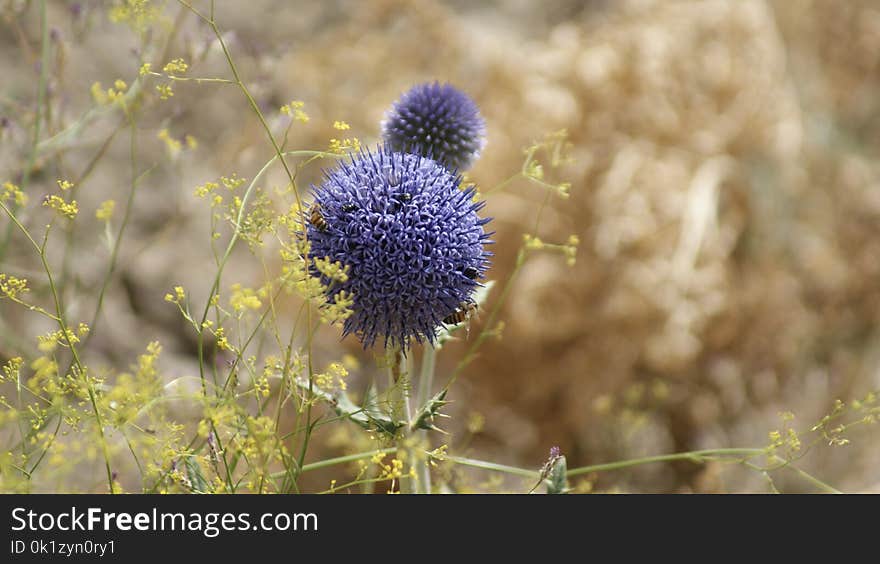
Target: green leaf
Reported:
[(556, 480), (195, 476), (370, 416)]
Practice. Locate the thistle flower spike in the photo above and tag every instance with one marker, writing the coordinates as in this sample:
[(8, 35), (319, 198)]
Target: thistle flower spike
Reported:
[(411, 237)]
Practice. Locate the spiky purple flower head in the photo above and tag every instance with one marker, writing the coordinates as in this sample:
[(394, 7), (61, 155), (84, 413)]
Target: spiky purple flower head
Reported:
[(411, 238), (438, 121)]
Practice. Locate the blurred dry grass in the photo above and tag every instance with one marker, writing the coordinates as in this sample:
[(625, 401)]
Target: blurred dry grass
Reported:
[(724, 188)]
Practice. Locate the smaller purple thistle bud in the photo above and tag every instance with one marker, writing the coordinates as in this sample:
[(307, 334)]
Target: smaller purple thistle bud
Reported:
[(437, 121)]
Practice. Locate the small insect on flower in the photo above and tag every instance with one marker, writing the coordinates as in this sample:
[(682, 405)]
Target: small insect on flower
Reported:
[(316, 218), (462, 314)]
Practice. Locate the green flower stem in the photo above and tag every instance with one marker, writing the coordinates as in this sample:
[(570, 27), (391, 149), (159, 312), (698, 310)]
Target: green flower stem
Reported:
[(397, 393), (485, 465), (66, 332), (735, 455), (426, 380)]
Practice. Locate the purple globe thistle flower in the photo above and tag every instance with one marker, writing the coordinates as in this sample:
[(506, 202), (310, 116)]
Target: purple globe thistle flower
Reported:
[(438, 121), (411, 238)]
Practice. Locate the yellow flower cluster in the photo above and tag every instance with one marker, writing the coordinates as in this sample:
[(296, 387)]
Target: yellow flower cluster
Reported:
[(206, 189), (568, 249), (439, 454), (341, 146), (177, 297), (393, 471), (105, 210), (246, 298), (210, 189), (232, 182), (295, 110), (176, 66), (57, 203), (261, 386), (338, 310), (165, 91), (259, 443), (297, 274), (334, 270), (131, 392), (222, 341), (13, 193), (11, 287), (111, 95), (174, 146), (216, 416), (50, 341), (44, 377), (11, 369), (534, 170), (556, 148), (333, 378), (259, 221), (532, 242), (137, 14)]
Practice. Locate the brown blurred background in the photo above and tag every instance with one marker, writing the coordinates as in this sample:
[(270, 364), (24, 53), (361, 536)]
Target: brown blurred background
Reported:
[(725, 191)]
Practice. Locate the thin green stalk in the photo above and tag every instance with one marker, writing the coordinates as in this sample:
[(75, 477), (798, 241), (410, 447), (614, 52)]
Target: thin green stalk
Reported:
[(129, 205), (38, 116), (809, 477), (66, 333), (339, 460), (69, 232), (692, 456), (485, 465), (210, 20)]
